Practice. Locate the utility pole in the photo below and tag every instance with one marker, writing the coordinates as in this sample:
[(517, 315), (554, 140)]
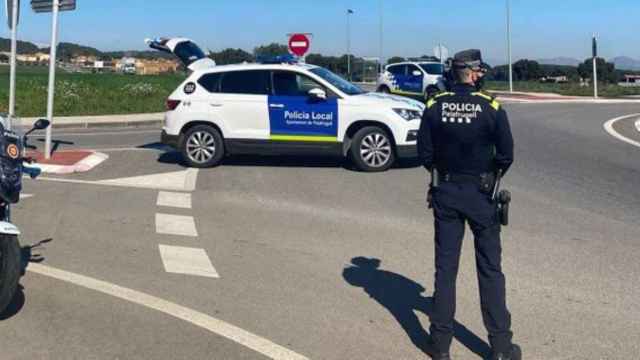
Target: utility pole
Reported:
[(595, 67), (52, 76), (509, 45), (14, 14)]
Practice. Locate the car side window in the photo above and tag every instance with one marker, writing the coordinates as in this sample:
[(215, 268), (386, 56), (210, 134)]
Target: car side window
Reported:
[(248, 82), (289, 83), (411, 69), (211, 82), (397, 69)]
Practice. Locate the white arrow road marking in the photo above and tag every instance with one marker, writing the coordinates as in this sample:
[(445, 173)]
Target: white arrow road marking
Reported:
[(211, 324), (176, 225), (188, 261), (173, 199), (174, 181), (179, 180)]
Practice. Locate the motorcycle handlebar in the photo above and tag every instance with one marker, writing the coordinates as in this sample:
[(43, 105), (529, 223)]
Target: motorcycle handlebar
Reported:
[(32, 172)]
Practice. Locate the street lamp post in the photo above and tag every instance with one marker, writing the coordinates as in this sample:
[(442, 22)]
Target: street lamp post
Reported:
[(509, 45), (381, 34), (349, 12)]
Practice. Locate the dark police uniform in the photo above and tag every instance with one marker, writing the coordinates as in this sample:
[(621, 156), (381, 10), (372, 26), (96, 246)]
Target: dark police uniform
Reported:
[(465, 134)]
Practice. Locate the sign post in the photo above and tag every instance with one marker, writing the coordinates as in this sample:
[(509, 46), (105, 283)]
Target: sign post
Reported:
[(13, 16), (53, 6), (299, 44)]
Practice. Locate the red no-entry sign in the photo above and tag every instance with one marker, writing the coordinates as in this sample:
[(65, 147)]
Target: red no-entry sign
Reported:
[(299, 44)]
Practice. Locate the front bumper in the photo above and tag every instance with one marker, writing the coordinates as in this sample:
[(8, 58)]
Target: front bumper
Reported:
[(407, 151), (170, 140)]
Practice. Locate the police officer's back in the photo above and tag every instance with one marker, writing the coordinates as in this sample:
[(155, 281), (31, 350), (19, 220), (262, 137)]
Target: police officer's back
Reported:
[(465, 139)]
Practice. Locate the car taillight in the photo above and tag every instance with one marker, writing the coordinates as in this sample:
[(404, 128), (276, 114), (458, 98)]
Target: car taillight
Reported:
[(172, 104)]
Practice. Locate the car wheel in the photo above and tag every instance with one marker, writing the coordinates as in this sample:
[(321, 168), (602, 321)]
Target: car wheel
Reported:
[(372, 149), (202, 147), (384, 90)]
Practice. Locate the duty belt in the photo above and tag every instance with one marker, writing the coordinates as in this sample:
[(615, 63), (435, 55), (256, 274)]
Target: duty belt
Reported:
[(460, 178)]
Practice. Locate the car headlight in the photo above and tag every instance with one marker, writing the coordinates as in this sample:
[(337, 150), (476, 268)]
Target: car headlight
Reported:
[(408, 114)]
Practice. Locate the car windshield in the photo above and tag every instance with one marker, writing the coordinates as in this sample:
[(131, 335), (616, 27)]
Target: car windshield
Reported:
[(337, 81), (188, 52), (432, 68)]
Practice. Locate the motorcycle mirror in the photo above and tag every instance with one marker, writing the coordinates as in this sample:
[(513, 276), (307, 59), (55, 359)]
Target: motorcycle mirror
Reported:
[(41, 124)]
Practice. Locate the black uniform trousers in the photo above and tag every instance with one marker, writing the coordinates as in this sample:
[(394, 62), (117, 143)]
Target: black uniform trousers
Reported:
[(455, 203)]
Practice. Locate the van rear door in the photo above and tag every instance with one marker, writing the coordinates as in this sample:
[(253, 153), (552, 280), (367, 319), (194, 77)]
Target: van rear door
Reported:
[(191, 56)]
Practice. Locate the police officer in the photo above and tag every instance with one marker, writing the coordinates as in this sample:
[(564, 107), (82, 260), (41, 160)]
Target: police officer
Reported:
[(465, 139)]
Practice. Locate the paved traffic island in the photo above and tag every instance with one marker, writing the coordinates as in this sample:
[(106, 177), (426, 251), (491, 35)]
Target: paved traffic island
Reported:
[(67, 161)]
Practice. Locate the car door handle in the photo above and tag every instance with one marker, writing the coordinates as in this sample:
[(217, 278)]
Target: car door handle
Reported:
[(277, 106), (216, 105)]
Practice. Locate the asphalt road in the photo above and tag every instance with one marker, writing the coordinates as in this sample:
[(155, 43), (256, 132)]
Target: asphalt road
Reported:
[(324, 261)]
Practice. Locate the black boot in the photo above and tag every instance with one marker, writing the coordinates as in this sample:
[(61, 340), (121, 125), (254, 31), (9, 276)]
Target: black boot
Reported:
[(435, 354), (515, 353)]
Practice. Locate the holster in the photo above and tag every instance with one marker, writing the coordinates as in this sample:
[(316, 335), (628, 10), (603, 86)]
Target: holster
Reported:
[(487, 183)]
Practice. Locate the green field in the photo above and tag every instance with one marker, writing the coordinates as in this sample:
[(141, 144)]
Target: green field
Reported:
[(86, 94), (570, 89)]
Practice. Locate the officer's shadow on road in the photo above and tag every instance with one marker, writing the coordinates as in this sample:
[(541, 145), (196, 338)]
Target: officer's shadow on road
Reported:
[(402, 297)]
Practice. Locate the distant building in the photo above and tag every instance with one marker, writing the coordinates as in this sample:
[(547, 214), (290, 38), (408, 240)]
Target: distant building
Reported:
[(631, 80), (84, 60), (555, 79), (155, 67)]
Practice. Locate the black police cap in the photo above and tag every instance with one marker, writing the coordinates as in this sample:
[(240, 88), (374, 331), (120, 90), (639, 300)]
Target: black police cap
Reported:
[(471, 58)]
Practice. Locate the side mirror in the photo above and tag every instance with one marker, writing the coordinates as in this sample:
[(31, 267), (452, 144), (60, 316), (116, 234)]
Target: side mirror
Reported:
[(317, 94), (416, 73), (41, 124)]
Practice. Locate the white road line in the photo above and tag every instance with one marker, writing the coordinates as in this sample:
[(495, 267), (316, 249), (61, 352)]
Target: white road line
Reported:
[(608, 127), (173, 199), (25, 196), (188, 261), (176, 225), (638, 124), (211, 324)]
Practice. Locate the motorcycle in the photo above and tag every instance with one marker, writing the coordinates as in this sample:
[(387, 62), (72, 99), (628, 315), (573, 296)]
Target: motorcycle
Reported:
[(13, 161)]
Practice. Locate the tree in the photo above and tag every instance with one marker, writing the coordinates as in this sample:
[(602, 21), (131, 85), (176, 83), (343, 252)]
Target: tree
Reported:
[(606, 71), (526, 70), (271, 50), (395, 60), (231, 56)]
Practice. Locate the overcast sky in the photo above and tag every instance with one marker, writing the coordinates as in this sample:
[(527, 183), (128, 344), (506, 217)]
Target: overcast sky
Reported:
[(541, 28)]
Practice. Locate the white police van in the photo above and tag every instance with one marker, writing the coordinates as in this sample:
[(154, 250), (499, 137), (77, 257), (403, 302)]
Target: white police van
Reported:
[(415, 79), (282, 108)]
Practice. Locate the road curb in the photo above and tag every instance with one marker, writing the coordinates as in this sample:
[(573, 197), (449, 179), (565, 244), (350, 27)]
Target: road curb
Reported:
[(131, 120)]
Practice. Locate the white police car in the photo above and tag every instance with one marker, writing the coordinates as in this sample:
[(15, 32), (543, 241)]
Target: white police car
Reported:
[(284, 108), (415, 79)]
